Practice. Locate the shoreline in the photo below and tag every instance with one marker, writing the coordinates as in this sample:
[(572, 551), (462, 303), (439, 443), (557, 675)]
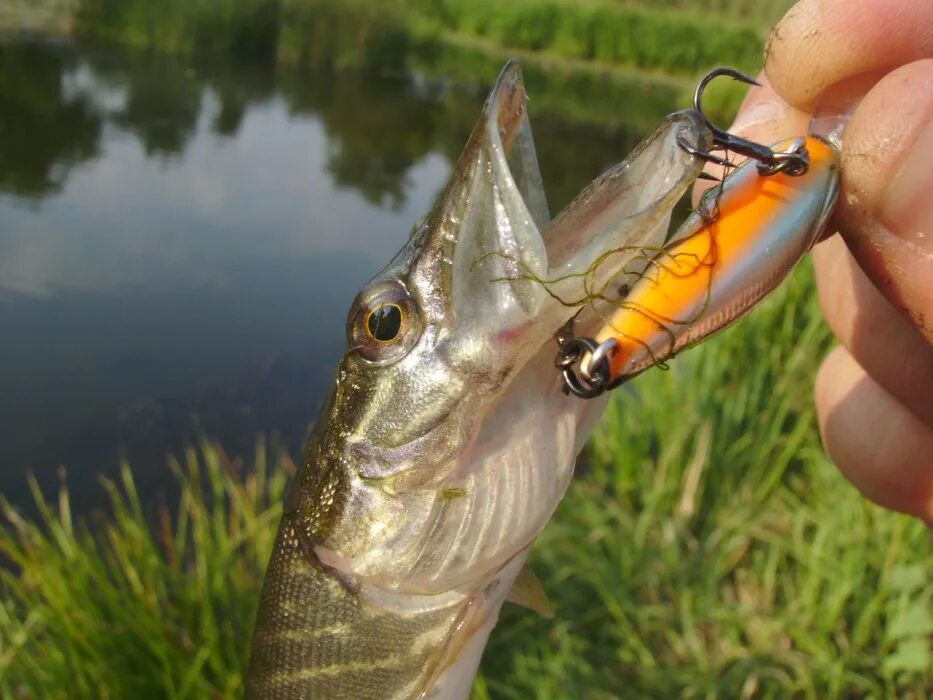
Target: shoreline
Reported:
[(358, 33)]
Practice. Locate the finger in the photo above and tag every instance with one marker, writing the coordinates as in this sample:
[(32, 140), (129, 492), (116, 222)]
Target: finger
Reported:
[(880, 446), (766, 118), (882, 341), (822, 42), (885, 212)]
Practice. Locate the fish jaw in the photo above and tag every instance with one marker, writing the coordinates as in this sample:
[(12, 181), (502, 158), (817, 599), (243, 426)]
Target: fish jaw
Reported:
[(489, 216)]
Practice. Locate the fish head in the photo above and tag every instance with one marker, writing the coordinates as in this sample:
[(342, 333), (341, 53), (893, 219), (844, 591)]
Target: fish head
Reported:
[(448, 441)]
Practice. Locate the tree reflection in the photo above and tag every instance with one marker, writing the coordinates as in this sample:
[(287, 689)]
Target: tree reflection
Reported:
[(355, 76), (44, 131), (378, 128), (384, 100), (162, 104), (239, 87)]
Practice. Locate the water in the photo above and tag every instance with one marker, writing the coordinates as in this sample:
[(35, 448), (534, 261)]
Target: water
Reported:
[(180, 242)]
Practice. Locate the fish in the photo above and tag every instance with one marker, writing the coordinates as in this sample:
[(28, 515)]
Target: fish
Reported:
[(449, 439)]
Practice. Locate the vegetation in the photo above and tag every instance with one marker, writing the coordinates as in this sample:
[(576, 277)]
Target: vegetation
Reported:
[(639, 61), (609, 32), (359, 35), (123, 610), (37, 15), (246, 28), (707, 548), (763, 13)]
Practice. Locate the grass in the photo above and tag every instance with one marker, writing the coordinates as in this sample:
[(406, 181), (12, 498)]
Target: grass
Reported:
[(610, 33), (706, 549), (760, 12), (121, 609)]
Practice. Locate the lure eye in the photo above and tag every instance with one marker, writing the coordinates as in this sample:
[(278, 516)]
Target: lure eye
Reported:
[(383, 323)]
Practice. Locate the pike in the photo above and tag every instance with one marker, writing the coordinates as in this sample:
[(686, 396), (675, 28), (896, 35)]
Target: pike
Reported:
[(448, 439)]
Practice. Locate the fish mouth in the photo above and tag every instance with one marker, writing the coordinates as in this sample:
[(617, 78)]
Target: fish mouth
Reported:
[(467, 481), (495, 257)]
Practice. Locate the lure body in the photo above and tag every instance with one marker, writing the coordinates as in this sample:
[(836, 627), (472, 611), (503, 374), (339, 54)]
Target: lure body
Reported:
[(744, 239)]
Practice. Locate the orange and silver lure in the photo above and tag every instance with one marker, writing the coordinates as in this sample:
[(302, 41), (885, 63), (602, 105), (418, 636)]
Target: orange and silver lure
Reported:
[(745, 237)]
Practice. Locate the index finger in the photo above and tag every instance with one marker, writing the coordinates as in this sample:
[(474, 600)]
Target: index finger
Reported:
[(822, 42)]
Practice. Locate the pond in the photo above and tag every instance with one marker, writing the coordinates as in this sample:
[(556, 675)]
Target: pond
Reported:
[(180, 240)]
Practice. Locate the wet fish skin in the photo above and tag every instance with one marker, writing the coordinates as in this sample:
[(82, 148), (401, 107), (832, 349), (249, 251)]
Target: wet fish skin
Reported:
[(443, 452)]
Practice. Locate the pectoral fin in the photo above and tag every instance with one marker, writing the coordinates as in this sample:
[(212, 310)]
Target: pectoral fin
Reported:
[(528, 591)]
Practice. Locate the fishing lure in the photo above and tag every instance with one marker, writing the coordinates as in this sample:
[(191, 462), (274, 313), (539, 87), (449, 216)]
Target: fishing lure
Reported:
[(745, 237)]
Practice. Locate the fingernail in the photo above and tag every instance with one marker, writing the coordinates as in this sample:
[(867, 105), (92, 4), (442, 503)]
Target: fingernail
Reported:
[(830, 121), (907, 206), (835, 106), (760, 115)]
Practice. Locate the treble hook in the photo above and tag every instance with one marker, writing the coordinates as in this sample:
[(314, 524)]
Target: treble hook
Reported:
[(793, 161)]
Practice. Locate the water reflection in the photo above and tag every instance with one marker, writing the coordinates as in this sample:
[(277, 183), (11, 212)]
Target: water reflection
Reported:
[(43, 130), (179, 242)]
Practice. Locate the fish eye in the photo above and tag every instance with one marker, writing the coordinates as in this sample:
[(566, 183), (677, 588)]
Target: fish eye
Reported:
[(384, 323)]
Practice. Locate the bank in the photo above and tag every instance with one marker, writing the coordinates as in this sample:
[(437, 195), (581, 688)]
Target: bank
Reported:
[(633, 49)]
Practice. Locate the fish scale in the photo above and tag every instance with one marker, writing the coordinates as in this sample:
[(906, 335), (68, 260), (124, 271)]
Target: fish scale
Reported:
[(333, 645)]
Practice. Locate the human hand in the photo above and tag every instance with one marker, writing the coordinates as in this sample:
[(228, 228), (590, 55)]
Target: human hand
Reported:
[(874, 393)]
